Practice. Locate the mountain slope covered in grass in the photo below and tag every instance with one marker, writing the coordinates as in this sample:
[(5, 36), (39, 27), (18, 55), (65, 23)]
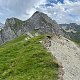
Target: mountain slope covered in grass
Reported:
[(22, 59)]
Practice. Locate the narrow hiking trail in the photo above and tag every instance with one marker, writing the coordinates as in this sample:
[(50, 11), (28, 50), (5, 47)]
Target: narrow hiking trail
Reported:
[(68, 53)]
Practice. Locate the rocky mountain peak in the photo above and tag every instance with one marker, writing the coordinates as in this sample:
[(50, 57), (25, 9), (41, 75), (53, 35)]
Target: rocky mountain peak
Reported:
[(1, 25), (9, 21), (42, 17), (37, 16), (38, 12), (38, 22), (43, 23), (14, 24), (12, 21)]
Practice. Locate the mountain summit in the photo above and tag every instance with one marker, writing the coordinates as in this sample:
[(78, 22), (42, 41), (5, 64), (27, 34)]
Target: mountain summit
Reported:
[(38, 22)]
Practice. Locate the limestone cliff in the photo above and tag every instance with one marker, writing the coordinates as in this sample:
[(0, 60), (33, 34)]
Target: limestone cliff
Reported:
[(39, 22)]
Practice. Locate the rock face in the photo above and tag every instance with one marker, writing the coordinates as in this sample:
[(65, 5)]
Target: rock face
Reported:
[(1, 25), (39, 22)]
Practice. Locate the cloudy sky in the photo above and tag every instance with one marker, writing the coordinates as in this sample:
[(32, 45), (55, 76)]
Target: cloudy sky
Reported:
[(63, 11)]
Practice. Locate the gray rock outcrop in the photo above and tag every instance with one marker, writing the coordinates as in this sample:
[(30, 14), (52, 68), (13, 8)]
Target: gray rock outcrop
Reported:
[(39, 22)]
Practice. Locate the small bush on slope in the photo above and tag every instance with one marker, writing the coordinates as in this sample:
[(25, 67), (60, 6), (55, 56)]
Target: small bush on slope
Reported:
[(27, 60)]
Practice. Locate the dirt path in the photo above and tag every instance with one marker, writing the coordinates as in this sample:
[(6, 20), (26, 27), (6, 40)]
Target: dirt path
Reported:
[(68, 53)]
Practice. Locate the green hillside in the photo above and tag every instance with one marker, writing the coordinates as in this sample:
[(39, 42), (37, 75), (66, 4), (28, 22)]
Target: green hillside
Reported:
[(27, 60)]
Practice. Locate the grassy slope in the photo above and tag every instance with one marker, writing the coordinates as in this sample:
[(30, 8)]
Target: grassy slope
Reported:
[(27, 60)]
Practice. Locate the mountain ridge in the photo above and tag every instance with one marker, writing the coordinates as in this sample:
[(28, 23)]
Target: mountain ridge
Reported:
[(62, 48), (39, 22)]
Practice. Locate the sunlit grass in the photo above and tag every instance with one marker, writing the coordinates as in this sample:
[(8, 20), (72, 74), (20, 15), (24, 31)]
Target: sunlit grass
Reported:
[(27, 60)]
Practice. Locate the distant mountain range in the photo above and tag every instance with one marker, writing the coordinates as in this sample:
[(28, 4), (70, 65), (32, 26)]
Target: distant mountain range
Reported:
[(73, 30)]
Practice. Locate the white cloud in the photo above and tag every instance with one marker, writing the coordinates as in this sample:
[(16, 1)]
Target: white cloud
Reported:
[(64, 13), (22, 9)]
